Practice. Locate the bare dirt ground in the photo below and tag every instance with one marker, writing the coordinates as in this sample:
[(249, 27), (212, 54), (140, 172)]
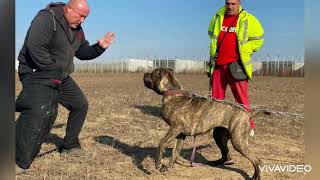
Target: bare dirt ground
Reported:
[(123, 129)]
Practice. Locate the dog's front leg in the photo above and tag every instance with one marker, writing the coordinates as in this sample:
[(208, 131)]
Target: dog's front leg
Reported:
[(171, 134), (176, 149), (174, 155)]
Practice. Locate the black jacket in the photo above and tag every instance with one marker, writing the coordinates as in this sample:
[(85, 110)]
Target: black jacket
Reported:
[(50, 46)]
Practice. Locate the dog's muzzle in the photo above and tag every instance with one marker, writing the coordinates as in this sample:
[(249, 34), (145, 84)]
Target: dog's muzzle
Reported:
[(147, 80)]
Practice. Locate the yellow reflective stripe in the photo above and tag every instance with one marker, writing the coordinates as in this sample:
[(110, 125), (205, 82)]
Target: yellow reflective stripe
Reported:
[(245, 30), (215, 37), (251, 39), (255, 38), (243, 42)]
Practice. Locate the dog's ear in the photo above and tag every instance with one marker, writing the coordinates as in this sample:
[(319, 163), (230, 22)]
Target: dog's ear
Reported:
[(171, 71)]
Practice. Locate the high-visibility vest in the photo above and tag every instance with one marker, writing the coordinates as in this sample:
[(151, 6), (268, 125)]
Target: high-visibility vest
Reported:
[(249, 35)]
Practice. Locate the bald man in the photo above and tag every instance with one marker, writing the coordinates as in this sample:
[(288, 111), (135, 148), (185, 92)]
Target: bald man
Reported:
[(45, 64), (235, 35)]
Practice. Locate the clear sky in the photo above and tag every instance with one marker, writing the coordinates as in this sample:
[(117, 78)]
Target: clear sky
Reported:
[(175, 28)]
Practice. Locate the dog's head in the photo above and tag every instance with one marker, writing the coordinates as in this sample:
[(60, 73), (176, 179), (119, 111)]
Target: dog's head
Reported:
[(161, 80)]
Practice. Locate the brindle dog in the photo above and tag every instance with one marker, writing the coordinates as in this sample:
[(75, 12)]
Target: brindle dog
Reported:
[(188, 115)]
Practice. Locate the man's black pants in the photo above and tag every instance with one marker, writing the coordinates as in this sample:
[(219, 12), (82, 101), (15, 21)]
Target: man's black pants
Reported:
[(38, 107)]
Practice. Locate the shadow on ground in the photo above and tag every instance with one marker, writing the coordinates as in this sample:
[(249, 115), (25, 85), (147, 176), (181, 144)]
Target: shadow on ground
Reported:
[(140, 153), (149, 110)]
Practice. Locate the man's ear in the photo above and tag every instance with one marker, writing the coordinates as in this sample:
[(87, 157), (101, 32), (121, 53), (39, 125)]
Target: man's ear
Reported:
[(67, 8)]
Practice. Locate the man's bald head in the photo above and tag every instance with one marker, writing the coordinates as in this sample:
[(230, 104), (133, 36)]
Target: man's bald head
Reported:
[(80, 5), (232, 7), (76, 11)]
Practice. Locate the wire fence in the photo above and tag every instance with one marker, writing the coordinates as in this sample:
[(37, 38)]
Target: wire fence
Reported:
[(261, 66)]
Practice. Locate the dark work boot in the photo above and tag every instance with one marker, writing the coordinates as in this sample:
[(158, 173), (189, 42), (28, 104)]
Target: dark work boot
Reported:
[(75, 152)]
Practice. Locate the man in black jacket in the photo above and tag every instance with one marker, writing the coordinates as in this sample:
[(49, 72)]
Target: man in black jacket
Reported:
[(45, 64)]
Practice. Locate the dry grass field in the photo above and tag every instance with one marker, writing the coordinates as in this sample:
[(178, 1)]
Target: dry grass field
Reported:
[(123, 129)]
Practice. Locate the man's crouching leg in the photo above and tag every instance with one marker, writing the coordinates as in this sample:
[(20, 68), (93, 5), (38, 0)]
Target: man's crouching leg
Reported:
[(38, 107)]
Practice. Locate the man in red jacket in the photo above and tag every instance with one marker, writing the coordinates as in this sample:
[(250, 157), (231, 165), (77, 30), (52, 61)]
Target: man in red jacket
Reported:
[(235, 34)]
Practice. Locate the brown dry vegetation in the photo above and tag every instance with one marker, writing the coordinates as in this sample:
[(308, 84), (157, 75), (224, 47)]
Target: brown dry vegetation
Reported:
[(123, 128)]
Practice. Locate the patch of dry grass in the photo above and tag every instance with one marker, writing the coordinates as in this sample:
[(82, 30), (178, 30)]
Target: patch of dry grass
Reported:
[(123, 128)]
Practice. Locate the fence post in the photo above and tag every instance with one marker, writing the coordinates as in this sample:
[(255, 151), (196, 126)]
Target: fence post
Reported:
[(268, 62), (121, 65), (147, 68), (278, 69), (275, 67), (287, 66), (276, 63), (167, 62), (302, 67)]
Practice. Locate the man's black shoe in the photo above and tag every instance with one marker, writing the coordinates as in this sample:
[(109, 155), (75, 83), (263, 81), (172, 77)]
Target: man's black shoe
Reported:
[(75, 152)]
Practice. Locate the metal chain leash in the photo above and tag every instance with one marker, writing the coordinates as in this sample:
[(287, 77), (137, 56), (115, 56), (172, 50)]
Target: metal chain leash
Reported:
[(300, 116), (257, 108)]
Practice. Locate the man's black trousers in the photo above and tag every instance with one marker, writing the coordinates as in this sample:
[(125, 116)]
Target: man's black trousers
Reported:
[(38, 107)]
